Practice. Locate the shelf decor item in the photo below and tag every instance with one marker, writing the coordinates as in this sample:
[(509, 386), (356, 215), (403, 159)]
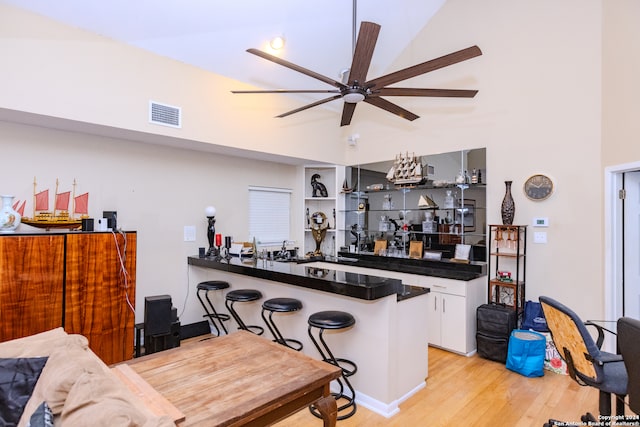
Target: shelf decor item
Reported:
[(319, 226), (508, 206), (9, 217), (319, 189), (406, 170)]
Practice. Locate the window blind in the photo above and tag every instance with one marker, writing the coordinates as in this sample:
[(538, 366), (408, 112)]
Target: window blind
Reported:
[(269, 214)]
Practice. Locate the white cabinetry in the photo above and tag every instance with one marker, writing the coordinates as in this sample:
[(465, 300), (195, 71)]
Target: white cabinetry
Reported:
[(451, 305), (452, 313), (331, 177)]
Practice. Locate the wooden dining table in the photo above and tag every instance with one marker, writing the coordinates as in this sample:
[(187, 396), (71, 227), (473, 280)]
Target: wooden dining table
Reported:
[(239, 379)]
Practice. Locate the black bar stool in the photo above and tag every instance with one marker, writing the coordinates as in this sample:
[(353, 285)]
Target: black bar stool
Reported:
[(281, 305), (209, 308), (243, 295), (334, 320)]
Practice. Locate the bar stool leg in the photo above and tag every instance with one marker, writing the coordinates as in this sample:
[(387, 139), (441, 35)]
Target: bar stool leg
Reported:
[(327, 356), (258, 330), (213, 315), (277, 335)]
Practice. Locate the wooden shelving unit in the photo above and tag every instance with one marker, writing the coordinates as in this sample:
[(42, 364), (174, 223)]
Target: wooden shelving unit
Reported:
[(506, 265)]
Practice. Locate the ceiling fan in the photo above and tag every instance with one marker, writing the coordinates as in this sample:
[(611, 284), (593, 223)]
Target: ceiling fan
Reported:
[(358, 88)]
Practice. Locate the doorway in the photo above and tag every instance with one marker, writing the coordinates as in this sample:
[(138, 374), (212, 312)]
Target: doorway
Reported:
[(622, 241)]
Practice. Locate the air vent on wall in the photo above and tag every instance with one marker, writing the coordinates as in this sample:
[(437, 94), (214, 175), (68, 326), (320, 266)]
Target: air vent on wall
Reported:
[(165, 115)]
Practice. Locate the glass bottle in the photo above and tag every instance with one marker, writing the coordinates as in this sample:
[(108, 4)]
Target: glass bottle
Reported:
[(474, 176), (449, 200)]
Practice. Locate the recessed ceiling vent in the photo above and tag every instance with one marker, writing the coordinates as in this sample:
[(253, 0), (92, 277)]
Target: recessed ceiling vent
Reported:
[(165, 115)]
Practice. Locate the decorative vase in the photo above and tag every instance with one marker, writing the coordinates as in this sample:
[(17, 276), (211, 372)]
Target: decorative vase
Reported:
[(508, 206), (9, 218)]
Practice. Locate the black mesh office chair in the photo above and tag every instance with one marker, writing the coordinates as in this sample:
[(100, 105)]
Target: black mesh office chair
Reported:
[(586, 363), (629, 346)]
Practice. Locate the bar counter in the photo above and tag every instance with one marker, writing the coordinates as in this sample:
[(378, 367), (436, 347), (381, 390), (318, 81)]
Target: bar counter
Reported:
[(353, 285), (388, 342)]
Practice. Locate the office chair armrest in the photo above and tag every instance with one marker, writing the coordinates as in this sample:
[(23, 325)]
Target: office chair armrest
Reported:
[(609, 357), (601, 329), (604, 358)]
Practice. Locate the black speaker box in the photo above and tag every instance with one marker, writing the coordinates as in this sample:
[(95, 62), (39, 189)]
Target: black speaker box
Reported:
[(158, 315), (173, 340)]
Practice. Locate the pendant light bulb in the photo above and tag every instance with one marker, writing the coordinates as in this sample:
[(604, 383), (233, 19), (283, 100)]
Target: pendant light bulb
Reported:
[(277, 43)]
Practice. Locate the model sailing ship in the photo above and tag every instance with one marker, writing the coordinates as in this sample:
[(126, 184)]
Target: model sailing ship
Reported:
[(406, 170), (60, 217)]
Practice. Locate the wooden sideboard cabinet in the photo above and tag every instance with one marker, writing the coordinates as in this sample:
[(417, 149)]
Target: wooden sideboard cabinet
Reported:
[(74, 280)]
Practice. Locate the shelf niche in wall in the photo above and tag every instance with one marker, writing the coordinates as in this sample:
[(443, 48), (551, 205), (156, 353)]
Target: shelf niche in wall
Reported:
[(382, 199)]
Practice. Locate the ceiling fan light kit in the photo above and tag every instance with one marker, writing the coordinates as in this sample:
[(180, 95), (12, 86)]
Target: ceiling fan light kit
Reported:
[(353, 96), (358, 88)]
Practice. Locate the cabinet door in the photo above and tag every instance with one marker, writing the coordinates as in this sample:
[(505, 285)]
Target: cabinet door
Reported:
[(434, 318), (31, 282), (100, 294), (453, 330)]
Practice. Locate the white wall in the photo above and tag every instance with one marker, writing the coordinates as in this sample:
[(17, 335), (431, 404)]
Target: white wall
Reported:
[(539, 110), (155, 190)]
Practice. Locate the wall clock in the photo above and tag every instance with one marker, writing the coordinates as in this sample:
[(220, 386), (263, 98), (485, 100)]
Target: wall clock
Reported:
[(538, 187)]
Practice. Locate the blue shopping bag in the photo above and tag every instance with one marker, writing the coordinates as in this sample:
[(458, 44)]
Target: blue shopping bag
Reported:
[(533, 317), (526, 352)]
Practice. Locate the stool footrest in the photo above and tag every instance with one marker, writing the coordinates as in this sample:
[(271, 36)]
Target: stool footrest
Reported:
[(346, 371)]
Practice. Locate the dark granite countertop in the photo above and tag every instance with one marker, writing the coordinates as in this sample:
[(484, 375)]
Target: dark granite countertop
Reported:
[(353, 285), (445, 268)]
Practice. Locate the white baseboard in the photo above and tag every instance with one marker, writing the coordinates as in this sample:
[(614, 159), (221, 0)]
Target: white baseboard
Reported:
[(384, 409)]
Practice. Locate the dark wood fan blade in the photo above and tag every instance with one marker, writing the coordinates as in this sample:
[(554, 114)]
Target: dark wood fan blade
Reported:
[(367, 38), (296, 68), (391, 107), (446, 93), (306, 107), (286, 91), (425, 67), (347, 113)]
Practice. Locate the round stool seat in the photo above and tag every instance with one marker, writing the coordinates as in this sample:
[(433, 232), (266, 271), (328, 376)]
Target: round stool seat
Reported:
[(282, 304), (243, 295), (213, 285), (331, 320)]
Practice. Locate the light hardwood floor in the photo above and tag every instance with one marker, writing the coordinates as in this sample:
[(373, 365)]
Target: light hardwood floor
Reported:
[(472, 391)]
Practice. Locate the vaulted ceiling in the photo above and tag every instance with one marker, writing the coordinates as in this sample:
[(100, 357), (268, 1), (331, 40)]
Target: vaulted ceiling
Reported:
[(214, 34)]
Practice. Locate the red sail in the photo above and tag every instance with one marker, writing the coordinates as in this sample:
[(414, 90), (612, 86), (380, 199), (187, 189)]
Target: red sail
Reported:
[(82, 204), (62, 201), (42, 201), (20, 210)]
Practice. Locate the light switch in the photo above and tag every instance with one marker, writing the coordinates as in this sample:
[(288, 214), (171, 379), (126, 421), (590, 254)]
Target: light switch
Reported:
[(189, 233), (540, 237)]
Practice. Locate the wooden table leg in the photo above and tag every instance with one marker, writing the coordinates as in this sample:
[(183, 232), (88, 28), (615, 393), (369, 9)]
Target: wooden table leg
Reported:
[(328, 408)]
